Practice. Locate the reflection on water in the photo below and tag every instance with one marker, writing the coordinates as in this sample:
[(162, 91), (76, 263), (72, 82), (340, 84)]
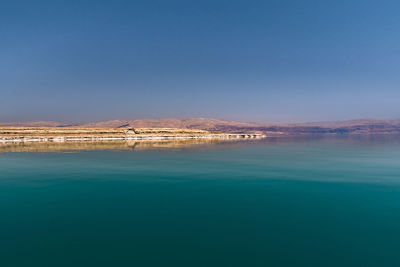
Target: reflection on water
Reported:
[(199, 144), (111, 145)]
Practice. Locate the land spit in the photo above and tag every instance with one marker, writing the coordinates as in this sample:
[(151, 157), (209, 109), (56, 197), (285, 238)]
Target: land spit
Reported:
[(62, 134)]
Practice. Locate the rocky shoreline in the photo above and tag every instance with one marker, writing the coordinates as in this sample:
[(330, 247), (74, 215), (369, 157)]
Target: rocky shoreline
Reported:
[(64, 134)]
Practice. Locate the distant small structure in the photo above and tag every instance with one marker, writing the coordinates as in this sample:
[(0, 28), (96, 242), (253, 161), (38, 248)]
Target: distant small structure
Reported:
[(131, 129)]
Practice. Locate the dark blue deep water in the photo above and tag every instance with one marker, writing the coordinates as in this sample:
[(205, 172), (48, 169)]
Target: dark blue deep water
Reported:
[(274, 202)]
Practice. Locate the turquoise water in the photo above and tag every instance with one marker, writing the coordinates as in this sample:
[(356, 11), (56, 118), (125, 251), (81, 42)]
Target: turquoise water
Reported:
[(275, 202)]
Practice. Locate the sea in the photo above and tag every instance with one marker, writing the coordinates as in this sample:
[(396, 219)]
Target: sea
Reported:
[(279, 201)]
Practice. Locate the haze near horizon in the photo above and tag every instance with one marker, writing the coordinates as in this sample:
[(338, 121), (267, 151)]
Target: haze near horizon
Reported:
[(257, 61)]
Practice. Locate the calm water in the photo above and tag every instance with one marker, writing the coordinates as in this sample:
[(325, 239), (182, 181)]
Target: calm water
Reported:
[(277, 202)]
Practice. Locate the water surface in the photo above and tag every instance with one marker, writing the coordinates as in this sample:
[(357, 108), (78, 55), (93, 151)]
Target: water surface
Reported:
[(276, 202)]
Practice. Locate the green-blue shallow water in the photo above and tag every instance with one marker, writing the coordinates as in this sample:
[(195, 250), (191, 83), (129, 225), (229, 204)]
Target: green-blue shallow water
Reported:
[(275, 202)]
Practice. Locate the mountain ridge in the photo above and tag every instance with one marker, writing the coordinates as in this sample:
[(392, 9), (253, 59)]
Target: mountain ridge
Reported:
[(359, 126)]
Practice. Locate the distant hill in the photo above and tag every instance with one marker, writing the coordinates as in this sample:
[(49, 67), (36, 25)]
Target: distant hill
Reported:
[(365, 126), (189, 123), (37, 124)]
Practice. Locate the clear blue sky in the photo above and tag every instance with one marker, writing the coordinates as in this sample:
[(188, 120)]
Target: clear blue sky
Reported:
[(263, 61)]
